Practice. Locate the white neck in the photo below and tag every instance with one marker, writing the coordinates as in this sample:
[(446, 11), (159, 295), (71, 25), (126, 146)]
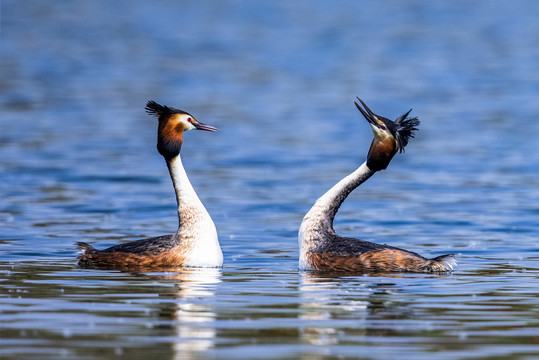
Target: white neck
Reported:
[(317, 225), (197, 233)]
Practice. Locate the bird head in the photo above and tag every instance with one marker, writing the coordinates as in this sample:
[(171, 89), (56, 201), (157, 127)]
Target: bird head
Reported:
[(389, 136), (172, 124)]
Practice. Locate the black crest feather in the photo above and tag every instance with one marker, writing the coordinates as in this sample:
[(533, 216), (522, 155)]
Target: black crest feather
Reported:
[(405, 129), (159, 111)]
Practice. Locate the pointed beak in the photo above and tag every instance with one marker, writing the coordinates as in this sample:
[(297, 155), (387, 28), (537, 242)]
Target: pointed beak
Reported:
[(201, 126), (367, 113)]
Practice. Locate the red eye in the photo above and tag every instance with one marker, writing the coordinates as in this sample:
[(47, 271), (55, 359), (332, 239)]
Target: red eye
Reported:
[(189, 119), (382, 127)]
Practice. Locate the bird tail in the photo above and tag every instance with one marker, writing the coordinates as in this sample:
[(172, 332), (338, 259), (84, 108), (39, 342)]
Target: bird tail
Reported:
[(86, 248), (444, 262)]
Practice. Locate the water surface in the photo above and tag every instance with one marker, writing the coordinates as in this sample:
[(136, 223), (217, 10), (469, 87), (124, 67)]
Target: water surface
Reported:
[(78, 163)]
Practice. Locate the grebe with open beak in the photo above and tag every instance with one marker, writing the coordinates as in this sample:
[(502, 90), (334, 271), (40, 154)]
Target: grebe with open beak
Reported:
[(323, 250)]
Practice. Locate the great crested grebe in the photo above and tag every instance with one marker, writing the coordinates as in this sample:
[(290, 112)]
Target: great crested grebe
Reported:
[(323, 250), (195, 244)]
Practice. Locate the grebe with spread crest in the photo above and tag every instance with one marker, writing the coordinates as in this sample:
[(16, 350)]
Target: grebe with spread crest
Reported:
[(195, 244), (322, 249)]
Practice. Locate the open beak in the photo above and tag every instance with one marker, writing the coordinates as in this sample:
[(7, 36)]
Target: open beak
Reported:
[(367, 113), (201, 126)]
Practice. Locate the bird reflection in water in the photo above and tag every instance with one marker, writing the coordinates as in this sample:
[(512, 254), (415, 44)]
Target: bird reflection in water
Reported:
[(191, 309), (333, 306)]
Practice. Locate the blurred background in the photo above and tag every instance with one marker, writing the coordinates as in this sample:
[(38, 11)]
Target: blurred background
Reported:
[(278, 78)]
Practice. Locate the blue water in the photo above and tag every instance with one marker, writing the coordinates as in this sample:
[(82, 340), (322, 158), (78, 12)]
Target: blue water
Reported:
[(78, 163)]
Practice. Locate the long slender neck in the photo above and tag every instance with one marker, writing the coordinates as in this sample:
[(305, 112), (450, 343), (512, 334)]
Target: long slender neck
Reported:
[(318, 223), (196, 235), (190, 208)]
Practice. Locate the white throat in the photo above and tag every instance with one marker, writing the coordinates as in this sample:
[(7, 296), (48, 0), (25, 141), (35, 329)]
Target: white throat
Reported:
[(197, 233)]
